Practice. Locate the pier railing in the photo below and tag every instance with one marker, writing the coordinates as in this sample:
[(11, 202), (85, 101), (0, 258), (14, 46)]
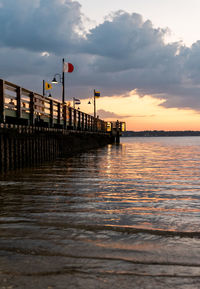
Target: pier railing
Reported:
[(22, 106)]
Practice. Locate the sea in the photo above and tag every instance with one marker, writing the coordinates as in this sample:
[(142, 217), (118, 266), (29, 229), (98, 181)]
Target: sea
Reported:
[(120, 216)]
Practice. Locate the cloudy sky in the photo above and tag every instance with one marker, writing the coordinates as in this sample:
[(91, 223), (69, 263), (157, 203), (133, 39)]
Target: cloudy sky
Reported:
[(143, 56)]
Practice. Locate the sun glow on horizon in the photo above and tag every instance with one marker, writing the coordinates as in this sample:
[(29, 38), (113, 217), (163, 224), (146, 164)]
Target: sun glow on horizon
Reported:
[(143, 113)]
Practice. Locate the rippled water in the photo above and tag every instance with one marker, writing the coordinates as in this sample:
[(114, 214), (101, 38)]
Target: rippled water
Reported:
[(124, 216)]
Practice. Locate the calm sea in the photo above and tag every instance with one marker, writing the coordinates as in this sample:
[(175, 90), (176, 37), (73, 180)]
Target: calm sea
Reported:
[(124, 216)]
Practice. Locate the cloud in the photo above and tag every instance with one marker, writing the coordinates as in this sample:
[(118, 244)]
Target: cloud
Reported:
[(109, 114), (127, 36), (121, 54), (40, 25), (150, 115), (130, 53)]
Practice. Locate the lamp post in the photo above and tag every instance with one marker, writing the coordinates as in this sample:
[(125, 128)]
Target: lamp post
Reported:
[(96, 94), (62, 81), (94, 102)]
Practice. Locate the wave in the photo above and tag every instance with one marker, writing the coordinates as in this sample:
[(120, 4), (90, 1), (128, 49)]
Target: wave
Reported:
[(133, 230), (159, 232), (126, 229)]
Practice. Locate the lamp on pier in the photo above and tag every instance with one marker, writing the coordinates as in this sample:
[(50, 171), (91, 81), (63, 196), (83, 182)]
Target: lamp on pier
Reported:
[(61, 80), (54, 80)]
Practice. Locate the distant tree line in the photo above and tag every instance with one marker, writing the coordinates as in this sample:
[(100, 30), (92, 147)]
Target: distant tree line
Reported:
[(150, 133)]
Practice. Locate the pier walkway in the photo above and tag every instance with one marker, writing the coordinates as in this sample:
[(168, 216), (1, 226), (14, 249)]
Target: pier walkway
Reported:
[(35, 128), (24, 107)]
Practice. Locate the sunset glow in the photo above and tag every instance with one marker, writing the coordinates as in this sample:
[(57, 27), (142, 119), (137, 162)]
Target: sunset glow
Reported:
[(143, 113)]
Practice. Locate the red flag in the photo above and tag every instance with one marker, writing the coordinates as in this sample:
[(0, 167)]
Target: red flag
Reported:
[(68, 67)]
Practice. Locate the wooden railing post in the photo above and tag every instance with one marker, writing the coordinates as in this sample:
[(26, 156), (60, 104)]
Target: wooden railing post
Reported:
[(51, 113), (79, 120), (74, 119), (31, 108), (64, 115), (2, 100), (58, 116), (92, 123), (86, 122), (95, 124), (19, 107), (83, 121), (70, 117), (102, 125), (89, 122)]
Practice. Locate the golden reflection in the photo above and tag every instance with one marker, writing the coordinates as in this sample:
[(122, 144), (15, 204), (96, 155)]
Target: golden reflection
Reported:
[(143, 209), (146, 200)]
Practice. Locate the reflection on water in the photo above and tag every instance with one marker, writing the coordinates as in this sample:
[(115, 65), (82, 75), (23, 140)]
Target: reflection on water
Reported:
[(105, 219)]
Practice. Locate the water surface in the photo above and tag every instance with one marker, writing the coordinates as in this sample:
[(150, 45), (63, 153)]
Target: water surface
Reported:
[(124, 216)]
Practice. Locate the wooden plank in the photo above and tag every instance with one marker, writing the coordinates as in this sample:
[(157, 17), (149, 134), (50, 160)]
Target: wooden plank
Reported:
[(10, 84), (39, 105), (25, 108), (9, 112), (25, 92), (9, 96), (10, 88), (38, 110), (24, 100), (39, 97), (10, 106), (25, 115), (45, 114)]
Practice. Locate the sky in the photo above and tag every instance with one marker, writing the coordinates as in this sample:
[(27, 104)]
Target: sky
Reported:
[(143, 56)]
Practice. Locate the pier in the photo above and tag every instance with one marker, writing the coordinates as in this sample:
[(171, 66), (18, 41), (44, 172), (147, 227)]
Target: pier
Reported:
[(35, 128)]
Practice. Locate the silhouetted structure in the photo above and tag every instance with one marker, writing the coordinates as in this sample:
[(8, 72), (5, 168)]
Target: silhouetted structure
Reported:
[(34, 128)]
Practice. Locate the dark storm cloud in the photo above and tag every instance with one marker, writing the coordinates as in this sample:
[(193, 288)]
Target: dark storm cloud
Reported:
[(123, 53), (129, 40), (131, 54), (39, 25)]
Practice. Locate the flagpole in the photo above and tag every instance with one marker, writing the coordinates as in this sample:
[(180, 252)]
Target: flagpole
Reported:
[(94, 105), (43, 87), (63, 83)]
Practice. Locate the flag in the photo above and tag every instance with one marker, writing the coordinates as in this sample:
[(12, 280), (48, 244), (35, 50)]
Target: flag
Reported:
[(47, 86), (68, 67), (76, 100), (97, 93)]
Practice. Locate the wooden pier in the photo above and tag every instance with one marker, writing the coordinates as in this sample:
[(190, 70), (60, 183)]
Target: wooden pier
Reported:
[(24, 107), (34, 128)]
